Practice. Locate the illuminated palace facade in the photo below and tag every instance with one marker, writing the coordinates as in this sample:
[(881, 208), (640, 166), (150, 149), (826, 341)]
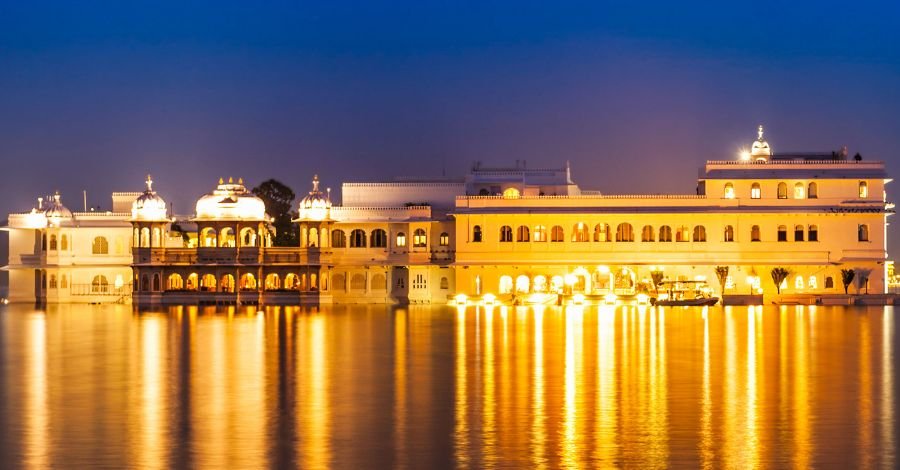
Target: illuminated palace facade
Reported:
[(517, 234)]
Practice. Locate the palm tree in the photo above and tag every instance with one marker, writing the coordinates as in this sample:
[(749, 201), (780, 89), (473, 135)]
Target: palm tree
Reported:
[(656, 276), (847, 276), (722, 274), (779, 275)]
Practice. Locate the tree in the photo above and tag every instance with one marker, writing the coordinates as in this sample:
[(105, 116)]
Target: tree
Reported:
[(847, 276), (778, 276), (722, 274), (279, 201), (656, 276)]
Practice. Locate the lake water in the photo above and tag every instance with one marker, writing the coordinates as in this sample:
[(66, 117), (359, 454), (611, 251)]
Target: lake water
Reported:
[(435, 387)]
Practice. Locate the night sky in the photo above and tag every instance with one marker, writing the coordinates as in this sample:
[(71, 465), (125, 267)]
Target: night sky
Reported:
[(637, 95)]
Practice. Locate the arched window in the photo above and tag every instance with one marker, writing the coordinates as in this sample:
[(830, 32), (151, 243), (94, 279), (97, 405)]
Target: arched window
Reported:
[(444, 239), (208, 283), (729, 191), (273, 282), (420, 240), (782, 190), (156, 282), (782, 233), (829, 282), (312, 240), (506, 234), (248, 282), (192, 281), (226, 238), (624, 233), (100, 246), (291, 281), (175, 282), (557, 234), (798, 233), (699, 233), (799, 191), (539, 284), (476, 234), (248, 236), (665, 233), (813, 283), (862, 232), (523, 284), (53, 281), (540, 233), (647, 234), (338, 281), (754, 233), (358, 238), (863, 190), (379, 282), (729, 233), (580, 232), (226, 283), (99, 284), (510, 193), (506, 285), (64, 243), (157, 237), (813, 234), (445, 283), (812, 191), (338, 239), (798, 283), (378, 238), (755, 191), (601, 233), (208, 237), (401, 240), (358, 282), (522, 234), (682, 234), (52, 242)]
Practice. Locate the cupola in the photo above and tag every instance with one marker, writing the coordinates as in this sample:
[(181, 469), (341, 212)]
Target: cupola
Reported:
[(149, 206), (316, 205)]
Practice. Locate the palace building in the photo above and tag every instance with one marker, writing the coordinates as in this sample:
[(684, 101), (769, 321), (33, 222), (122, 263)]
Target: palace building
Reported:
[(512, 234)]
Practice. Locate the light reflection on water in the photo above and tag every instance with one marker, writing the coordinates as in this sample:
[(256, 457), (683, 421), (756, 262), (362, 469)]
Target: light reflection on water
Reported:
[(432, 387)]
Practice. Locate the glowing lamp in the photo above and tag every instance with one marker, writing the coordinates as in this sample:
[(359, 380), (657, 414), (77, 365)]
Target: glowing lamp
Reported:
[(489, 298), (610, 298), (578, 299), (460, 299)]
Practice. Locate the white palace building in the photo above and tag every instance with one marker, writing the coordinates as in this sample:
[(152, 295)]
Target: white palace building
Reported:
[(504, 234)]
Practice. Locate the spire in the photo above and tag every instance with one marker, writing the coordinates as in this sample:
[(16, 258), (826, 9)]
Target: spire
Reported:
[(760, 132), (149, 183), (56, 196), (315, 183)]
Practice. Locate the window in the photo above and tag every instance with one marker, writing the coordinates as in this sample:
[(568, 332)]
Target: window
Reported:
[(601, 233), (175, 282), (798, 282), (813, 234), (99, 285), (272, 282), (476, 234), (338, 239), (755, 191), (699, 233), (729, 191), (522, 234), (379, 282), (540, 233), (813, 283), (665, 233), (64, 244), (64, 283), (798, 191), (100, 246), (506, 234), (208, 283), (580, 232), (358, 238), (812, 191), (863, 190), (506, 285), (829, 282), (419, 238), (510, 193), (682, 234), (729, 233), (862, 232), (523, 284), (647, 233), (401, 240), (52, 242), (798, 233), (445, 284), (358, 282), (53, 281), (782, 233), (312, 241), (782, 191), (444, 239), (754, 233), (156, 282), (557, 234), (624, 233), (378, 238)]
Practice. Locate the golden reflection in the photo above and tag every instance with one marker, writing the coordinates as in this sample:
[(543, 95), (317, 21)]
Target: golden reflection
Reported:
[(887, 386), (573, 378), (865, 398), (400, 385), (706, 437), (489, 407), (606, 424), (313, 412), (801, 394), (538, 410), (37, 418), (461, 395), (150, 448)]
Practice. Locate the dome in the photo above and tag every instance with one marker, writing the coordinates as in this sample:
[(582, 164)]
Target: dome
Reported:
[(56, 213), (316, 205), (230, 201), (149, 206), (760, 149)]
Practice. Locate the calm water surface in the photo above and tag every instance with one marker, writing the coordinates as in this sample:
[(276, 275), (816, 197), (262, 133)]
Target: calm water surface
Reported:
[(434, 387)]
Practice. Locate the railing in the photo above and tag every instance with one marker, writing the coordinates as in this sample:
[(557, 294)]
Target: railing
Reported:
[(873, 163), (591, 195), (99, 289)]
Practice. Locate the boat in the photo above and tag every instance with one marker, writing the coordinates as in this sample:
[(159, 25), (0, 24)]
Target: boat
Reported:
[(685, 294)]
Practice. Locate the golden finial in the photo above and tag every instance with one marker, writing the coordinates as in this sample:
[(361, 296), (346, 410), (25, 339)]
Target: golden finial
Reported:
[(149, 183), (230, 180), (241, 181), (760, 132), (221, 181), (315, 183)]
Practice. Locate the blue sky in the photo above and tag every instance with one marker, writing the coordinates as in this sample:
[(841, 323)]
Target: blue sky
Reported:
[(637, 95)]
